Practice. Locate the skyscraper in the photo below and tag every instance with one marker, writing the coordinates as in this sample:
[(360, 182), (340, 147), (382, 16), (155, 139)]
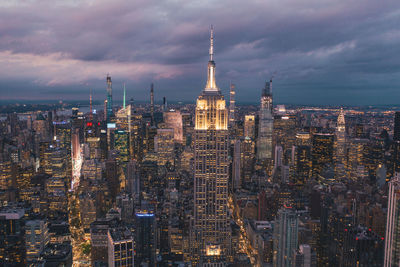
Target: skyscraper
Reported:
[(396, 143), (340, 151), (120, 247), (266, 122), (232, 106), (109, 98), (392, 238), (396, 133), (322, 153), (211, 222), (152, 103), (146, 238), (285, 237)]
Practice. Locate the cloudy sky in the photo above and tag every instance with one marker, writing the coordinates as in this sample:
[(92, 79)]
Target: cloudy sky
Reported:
[(321, 51)]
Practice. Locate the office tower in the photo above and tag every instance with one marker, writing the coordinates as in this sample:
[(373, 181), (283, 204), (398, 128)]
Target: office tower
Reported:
[(278, 157), (99, 240), (305, 257), (232, 106), (41, 127), (396, 132), (76, 158), (164, 146), (133, 180), (92, 169), (250, 126), (109, 99), (285, 133), (396, 143), (152, 104), (148, 140), (285, 237), (91, 106), (36, 238), (5, 174), (266, 122), (211, 223), (173, 120), (146, 238), (94, 148), (247, 150), (124, 98), (112, 177), (340, 151), (63, 135), (392, 237), (121, 144), (165, 105), (236, 165), (322, 153), (12, 245), (120, 247)]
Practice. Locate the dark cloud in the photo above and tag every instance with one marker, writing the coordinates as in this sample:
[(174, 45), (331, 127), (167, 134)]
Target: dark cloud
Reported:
[(322, 51)]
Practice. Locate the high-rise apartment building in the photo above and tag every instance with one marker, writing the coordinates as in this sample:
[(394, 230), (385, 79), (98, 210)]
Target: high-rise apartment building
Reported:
[(211, 222)]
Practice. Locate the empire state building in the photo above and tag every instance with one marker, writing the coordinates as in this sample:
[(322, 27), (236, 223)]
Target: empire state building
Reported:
[(212, 235)]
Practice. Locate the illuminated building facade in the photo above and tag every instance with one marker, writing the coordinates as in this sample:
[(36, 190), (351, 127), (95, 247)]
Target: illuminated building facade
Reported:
[(120, 247), (266, 123), (36, 238), (121, 144), (250, 126), (211, 222), (232, 106), (173, 120), (302, 158), (340, 148), (164, 146), (322, 153)]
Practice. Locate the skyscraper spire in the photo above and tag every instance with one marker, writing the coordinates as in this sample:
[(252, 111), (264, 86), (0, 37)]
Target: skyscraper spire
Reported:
[(211, 85), (211, 43), (124, 96)]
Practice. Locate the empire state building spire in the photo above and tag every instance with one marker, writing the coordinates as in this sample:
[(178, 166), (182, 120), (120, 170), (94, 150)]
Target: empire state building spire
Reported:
[(211, 85)]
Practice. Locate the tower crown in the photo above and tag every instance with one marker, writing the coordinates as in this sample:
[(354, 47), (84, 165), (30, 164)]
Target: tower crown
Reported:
[(211, 85)]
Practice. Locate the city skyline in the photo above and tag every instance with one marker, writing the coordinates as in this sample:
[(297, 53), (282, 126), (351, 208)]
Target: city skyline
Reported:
[(336, 53)]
